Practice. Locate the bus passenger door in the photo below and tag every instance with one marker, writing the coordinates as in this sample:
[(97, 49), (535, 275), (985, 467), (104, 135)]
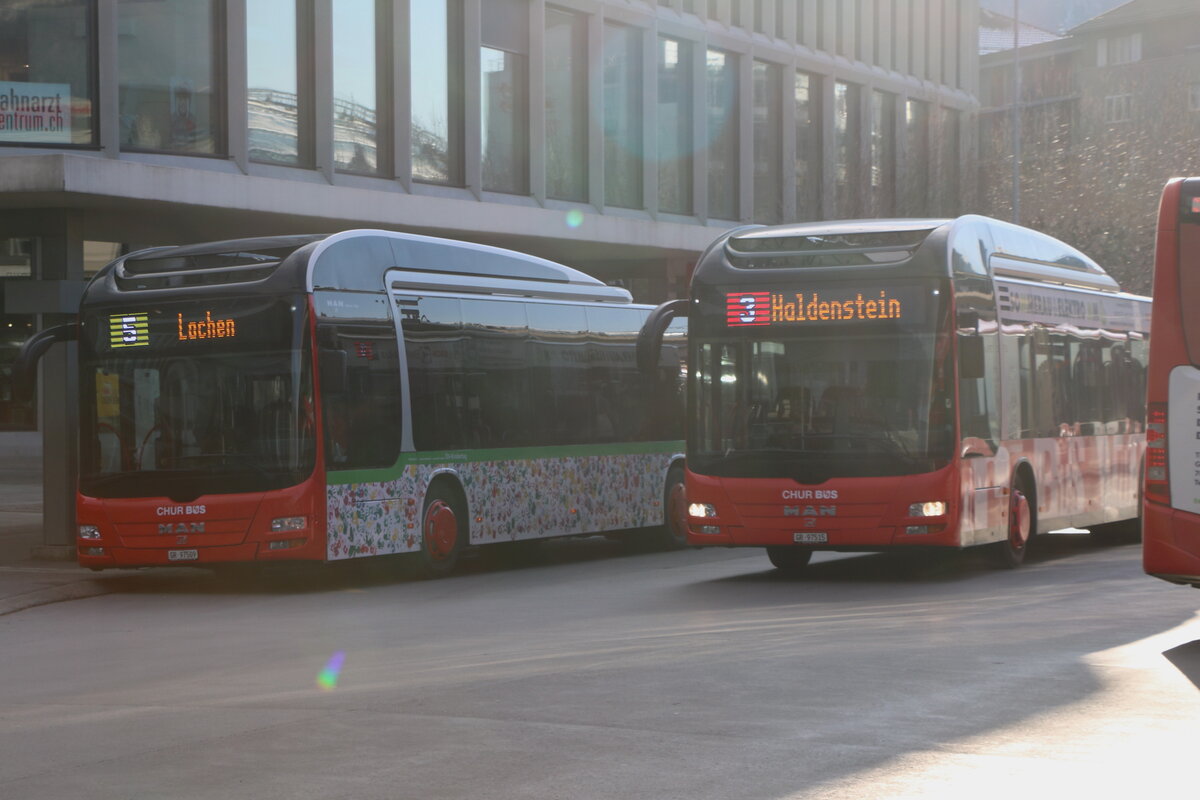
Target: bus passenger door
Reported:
[(984, 478)]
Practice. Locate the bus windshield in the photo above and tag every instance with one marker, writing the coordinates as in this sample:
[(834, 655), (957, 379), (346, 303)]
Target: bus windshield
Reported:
[(186, 399), (859, 399)]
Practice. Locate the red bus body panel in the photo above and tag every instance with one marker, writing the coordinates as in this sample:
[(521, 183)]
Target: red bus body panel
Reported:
[(853, 513), (221, 529), (1170, 537)]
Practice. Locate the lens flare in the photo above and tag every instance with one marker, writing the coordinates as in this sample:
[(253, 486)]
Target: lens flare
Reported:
[(574, 218), (327, 679)]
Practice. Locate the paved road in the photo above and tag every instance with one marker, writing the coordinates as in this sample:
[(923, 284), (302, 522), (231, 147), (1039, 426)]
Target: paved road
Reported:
[(598, 674)]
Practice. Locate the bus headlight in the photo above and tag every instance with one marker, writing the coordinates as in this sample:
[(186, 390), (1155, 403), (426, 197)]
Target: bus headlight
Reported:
[(289, 524), (89, 532), (932, 509), (701, 510)]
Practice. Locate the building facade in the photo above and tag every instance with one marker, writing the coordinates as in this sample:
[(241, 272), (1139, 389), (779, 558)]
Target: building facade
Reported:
[(1108, 113), (616, 136)]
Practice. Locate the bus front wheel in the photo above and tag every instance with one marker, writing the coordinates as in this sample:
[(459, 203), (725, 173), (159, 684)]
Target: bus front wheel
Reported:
[(791, 560), (1022, 522), (674, 529), (443, 532)]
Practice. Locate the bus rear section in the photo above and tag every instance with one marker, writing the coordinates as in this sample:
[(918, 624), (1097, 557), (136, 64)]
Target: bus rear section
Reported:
[(1171, 524)]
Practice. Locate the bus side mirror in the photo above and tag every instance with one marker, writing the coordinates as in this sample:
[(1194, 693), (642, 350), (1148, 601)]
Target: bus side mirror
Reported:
[(649, 340), (970, 357), (333, 371), (25, 366)]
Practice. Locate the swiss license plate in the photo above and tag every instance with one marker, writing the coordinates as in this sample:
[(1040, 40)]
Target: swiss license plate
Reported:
[(183, 555), (810, 538)]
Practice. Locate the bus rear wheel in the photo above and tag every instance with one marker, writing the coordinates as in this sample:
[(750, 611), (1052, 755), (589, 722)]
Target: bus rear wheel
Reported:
[(1021, 521), (791, 560), (443, 532)]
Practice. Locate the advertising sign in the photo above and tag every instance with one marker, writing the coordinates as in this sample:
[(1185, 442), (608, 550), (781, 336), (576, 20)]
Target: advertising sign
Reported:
[(35, 112)]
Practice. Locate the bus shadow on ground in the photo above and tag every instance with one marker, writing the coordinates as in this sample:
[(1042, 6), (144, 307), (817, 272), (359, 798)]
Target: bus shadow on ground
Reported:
[(929, 566), (1186, 659), (285, 579)]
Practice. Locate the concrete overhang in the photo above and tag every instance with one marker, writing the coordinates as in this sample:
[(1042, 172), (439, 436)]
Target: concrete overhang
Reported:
[(154, 203)]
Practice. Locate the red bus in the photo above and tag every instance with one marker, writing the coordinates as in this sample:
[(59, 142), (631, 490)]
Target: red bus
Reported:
[(1171, 539), (904, 384), (322, 398)]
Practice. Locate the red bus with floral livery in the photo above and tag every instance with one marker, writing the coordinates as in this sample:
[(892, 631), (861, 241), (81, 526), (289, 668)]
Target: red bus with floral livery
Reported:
[(905, 384), (322, 398), (1171, 515)]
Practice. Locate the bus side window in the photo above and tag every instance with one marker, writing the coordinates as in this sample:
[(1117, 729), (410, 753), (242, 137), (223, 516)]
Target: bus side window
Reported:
[(362, 421)]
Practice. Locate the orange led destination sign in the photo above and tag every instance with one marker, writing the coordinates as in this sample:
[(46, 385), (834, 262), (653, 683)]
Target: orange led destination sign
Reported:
[(747, 309), (207, 328)]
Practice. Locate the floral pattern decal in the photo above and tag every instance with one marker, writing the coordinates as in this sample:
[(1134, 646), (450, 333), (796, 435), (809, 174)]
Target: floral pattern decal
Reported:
[(507, 500)]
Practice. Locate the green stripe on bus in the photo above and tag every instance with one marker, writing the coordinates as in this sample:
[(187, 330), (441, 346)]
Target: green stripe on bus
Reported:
[(337, 478)]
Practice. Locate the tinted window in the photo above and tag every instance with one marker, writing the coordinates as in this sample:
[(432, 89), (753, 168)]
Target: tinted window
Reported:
[(361, 394)]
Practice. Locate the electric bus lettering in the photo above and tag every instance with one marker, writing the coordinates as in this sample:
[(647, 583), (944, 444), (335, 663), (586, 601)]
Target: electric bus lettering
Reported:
[(207, 328), (745, 309)]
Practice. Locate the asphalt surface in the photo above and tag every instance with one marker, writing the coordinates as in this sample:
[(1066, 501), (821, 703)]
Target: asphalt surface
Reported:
[(585, 670)]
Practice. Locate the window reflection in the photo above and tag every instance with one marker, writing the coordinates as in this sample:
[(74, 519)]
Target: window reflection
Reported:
[(505, 121), (847, 128), (169, 92), (272, 102), (674, 125), (566, 105), (722, 135), (808, 148), (768, 143), (436, 91), (355, 94), (46, 51), (622, 116)]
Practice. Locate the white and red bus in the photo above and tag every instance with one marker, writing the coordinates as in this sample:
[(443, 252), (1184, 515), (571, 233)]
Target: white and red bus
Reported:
[(904, 384), (322, 398), (1171, 538)]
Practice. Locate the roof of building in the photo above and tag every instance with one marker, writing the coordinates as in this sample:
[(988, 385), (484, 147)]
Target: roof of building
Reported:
[(996, 33), (1138, 12)]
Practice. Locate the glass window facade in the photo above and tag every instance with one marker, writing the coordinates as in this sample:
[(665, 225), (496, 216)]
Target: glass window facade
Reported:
[(356, 86), (47, 72), (722, 112), (623, 116), (915, 196), (170, 93), (768, 143), (847, 128), (948, 163), (883, 154), (566, 105), (273, 102), (504, 95), (436, 91), (808, 147), (674, 125)]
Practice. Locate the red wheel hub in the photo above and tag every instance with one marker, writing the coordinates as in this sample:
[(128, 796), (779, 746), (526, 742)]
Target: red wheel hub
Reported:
[(1019, 519), (440, 530)]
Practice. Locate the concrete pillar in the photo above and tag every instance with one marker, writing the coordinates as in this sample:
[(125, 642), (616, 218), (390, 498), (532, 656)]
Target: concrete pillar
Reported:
[(59, 258)]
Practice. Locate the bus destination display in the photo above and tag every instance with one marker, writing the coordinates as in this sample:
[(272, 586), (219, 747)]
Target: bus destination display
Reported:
[(133, 330), (765, 308)]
